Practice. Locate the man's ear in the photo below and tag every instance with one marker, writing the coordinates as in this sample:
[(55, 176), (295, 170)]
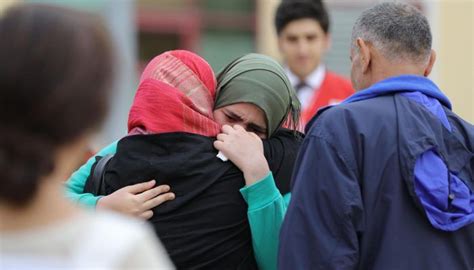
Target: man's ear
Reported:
[(365, 56), (430, 64)]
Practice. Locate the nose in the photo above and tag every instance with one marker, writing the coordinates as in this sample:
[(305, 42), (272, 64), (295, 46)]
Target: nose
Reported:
[(302, 47)]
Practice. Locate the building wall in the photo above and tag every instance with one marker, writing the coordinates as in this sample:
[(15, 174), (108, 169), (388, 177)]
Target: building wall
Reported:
[(5, 4), (453, 22), (217, 30), (266, 39)]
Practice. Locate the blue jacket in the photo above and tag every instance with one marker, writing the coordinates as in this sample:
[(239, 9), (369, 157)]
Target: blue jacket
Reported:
[(383, 181)]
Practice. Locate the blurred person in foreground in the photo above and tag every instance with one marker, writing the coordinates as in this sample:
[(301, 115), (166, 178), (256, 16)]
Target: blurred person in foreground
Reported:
[(304, 39), (54, 85), (394, 188)]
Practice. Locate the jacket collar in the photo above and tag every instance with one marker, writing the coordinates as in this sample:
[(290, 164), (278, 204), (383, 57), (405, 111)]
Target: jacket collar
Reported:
[(402, 83), (393, 85)]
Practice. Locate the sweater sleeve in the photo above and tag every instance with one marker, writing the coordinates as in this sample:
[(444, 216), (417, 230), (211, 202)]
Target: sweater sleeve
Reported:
[(266, 211), (77, 181)]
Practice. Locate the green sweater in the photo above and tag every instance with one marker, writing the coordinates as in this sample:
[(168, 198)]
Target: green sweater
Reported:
[(77, 181), (267, 208), (266, 211)]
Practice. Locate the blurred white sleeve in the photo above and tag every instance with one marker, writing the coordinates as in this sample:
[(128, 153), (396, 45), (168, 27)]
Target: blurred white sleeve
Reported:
[(147, 253)]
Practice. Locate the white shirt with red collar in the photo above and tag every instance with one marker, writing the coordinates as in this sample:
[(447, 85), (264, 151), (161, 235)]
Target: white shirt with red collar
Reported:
[(311, 84)]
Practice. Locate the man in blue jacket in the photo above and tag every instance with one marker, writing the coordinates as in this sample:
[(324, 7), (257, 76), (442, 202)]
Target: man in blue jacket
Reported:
[(384, 180)]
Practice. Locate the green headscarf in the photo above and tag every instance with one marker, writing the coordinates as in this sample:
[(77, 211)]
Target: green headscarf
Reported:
[(260, 80)]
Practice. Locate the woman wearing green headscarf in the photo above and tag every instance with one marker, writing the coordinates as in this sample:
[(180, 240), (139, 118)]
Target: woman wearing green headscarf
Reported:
[(253, 93), (252, 86), (261, 81)]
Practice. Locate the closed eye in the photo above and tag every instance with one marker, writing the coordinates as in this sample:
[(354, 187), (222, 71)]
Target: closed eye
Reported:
[(232, 117), (256, 129)]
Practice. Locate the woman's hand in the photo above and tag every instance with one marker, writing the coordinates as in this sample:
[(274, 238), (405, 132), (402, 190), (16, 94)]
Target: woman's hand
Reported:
[(137, 200), (245, 150)]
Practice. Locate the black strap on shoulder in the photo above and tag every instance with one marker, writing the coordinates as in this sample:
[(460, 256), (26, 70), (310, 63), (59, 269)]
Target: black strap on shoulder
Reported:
[(98, 175)]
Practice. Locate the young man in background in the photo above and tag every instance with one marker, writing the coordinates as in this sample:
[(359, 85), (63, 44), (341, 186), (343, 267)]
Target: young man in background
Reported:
[(304, 39)]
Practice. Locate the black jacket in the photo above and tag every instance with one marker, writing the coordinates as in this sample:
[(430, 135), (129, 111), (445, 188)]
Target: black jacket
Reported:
[(206, 226)]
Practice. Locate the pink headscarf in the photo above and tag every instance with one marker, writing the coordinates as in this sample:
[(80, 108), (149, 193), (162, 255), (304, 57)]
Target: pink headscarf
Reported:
[(176, 94)]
